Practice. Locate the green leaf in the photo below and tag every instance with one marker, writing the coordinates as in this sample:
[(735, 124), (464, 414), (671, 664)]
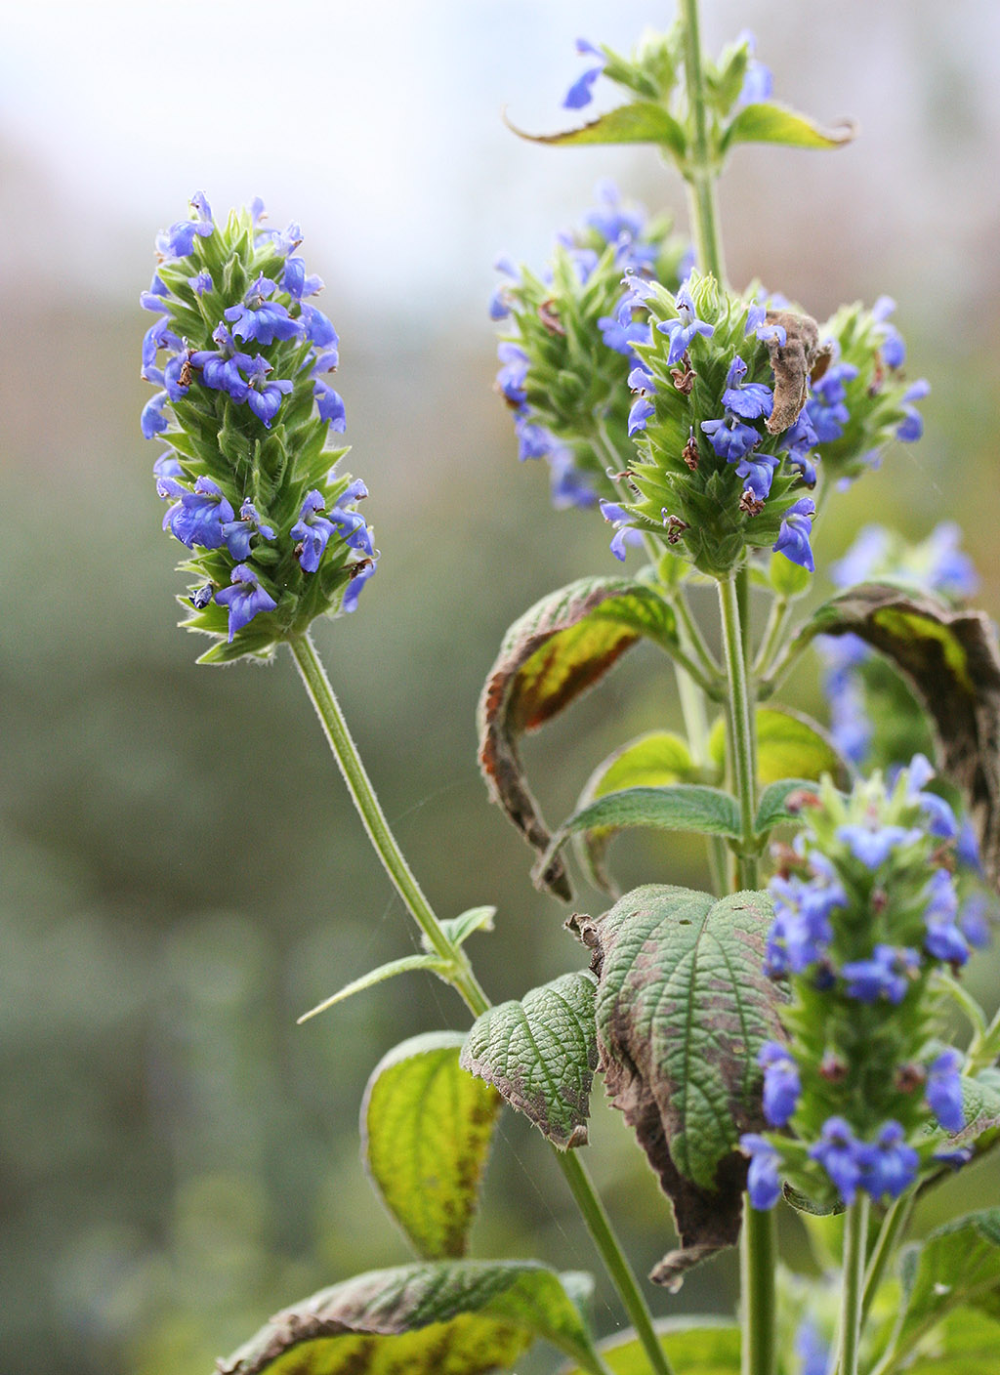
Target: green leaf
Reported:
[(981, 1106), (957, 1266), (448, 1318), (768, 122), (641, 121), (426, 1129), (678, 807), (788, 745), (560, 647), (540, 1053), (433, 963), (650, 761), (683, 1008), (782, 802), (693, 1346), (459, 929), (951, 661), (966, 1343), (788, 579)]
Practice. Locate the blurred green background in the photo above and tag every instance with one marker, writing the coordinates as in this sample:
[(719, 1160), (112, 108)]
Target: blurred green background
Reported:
[(183, 873)]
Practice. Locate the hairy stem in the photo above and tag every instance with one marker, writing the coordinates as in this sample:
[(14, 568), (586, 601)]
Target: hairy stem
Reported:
[(855, 1238), (742, 730), (893, 1224), (758, 1263), (323, 698), (701, 172)]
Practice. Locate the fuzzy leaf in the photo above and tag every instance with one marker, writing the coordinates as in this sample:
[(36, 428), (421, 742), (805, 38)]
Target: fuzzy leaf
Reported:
[(641, 121), (540, 1053), (426, 1130), (951, 661), (957, 1266), (693, 1346), (447, 1318), (768, 122), (683, 1008), (966, 1343), (981, 1106), (780, 803), (564, 644), (679, 807), (460, 928), (789, 745), (432, 963), (652, 760)]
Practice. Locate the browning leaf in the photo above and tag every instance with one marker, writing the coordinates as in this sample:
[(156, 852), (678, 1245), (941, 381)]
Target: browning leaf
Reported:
[(560, 647), (793, 363), (683, 1007), (951, 661)]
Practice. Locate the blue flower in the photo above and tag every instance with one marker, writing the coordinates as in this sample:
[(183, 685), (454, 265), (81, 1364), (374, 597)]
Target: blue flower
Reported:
[(238, 533), (951, 572), (330, 405), (152, 421), (826, 410), (748, 400), (892, 347), (245, 598), (513, 375), (581, 92), (763, 1184), (295, 281), (360, 573), (844, 1158), (168, 465), (319, 329), (154, 298), (222, 369), (682, 330), (178, 240), (910, 429), (158, 336), (758, 83), (944, 1090), (872, 843), (944, 939), (731, 438), (973, 920), (533, 441), (757, 324), (757, 474), (312, 531), (801, 930), (202, 283), (625, 533), (260, 318), (611, 218), (793, 535), (782, 1085), (941, 818), (967, 848), (892, 1164), (884, 975), (621, 331), (569, 485), (199, 516), (811, 1350), (641, 382), (264, 397)]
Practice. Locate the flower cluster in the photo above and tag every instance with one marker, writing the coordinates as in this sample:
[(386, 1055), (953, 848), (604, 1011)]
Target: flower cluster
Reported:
[(852, 673), (240, 353), (564, 356), (866, 909)]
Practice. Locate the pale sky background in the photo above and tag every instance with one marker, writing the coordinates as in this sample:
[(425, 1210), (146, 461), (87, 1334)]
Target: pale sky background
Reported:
[(377, 127)]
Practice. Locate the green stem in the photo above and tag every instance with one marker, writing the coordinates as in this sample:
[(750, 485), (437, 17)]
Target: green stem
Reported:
[(321, 694), (774, 633), (701, 171), (696, 729), (742, 730), (893, 1224), (855, 1239), (693, 635), (985, 1048), (599, 1227), (758, 1263)]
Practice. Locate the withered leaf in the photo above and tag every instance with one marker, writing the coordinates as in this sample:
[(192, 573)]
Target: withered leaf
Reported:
[(952, 662), (683, 1008), (560, 647), (800, 357)]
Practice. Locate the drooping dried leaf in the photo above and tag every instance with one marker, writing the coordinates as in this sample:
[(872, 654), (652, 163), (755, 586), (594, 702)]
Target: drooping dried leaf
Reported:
[(560, 647), (641, 121), (683, 1008), (951, 661)]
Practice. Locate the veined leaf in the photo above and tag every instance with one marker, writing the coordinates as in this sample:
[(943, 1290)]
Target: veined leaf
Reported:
[(789, 745), (957, 1266), (426, 1130), (432, 963), (782, 802), (679, 807), (641, 121), (448, 1318), (966, 1343), (693, 1346), (541, 1053), (951, 661), (652, 760), (768, 122), (683, 1008), (564, 644)]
